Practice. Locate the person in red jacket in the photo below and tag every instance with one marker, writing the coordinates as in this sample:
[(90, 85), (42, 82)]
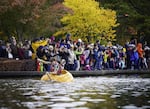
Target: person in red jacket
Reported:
[(141, 55)]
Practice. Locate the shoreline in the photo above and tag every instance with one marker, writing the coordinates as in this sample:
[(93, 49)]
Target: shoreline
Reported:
[(13, 74)]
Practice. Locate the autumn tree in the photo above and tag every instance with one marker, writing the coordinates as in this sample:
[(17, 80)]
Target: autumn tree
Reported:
[(49, 20), (88, 20), (16, 15)]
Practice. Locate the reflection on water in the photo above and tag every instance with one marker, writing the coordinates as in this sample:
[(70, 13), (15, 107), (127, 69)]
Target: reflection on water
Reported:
[(83, 93)]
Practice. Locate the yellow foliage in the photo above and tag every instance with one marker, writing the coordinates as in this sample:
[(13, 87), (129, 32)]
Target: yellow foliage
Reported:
[(88, 19)]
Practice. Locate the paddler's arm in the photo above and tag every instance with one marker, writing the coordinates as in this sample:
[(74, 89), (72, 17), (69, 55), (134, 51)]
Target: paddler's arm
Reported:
[(45, 62)]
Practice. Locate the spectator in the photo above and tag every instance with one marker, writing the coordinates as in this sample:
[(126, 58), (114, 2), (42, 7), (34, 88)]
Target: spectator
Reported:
[(14, 47), (141, 54), (9, 51), (72, 58), (3, 52)]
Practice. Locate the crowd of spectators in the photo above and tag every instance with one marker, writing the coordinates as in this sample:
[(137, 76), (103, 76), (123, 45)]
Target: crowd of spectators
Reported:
[(79, 55), (15, 50)]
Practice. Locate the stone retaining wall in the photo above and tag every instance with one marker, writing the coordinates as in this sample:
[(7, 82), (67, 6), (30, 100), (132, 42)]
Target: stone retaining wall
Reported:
[(17, 65), (21, 65)]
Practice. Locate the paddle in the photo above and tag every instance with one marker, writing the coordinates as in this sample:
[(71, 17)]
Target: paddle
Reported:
[(45, 62)]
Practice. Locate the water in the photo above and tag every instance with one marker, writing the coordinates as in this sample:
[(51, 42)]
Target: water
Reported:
[(83, 93)]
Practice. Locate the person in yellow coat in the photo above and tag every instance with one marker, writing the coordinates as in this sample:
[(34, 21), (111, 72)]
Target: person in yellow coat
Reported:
[(36, 45)]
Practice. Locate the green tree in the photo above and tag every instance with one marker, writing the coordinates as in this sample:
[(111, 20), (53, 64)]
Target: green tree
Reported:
[(133, 17), (87, 19)]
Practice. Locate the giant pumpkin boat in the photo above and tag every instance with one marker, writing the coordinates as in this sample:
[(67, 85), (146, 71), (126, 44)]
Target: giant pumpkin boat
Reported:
[(65, 76)]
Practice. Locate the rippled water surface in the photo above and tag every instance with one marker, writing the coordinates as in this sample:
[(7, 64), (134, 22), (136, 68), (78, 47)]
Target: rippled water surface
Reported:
[(83, 93)]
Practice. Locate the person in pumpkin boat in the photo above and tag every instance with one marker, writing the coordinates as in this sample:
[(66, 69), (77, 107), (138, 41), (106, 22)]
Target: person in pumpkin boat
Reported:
[(57, 67)]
